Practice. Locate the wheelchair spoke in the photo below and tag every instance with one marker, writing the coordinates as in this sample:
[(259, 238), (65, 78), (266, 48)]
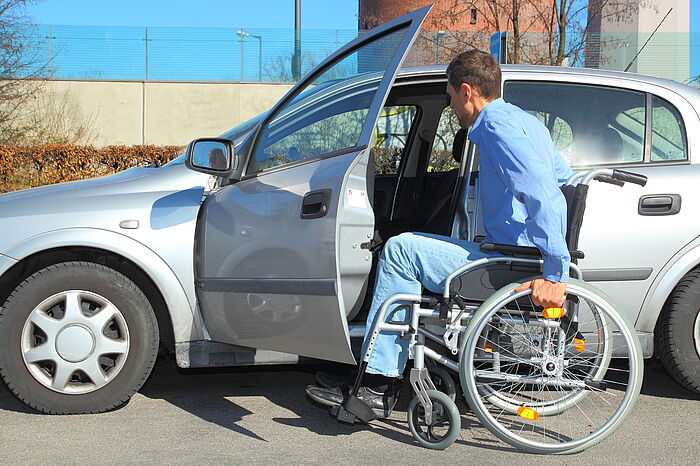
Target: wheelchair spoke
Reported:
[(537, 387)]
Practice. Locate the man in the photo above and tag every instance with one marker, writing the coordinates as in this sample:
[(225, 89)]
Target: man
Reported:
[(520, 175)]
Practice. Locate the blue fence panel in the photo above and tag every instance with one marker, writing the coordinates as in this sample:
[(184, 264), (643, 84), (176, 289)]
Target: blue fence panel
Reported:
[(175, 54), (257, 54)]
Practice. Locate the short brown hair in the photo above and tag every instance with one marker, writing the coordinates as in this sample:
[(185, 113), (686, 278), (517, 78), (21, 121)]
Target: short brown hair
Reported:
[(478, 69)]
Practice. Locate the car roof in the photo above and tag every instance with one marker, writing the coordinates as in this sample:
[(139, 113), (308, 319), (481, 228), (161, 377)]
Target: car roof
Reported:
[(683, 89)]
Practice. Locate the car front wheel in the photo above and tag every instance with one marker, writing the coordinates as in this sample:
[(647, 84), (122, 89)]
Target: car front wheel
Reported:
[(678, 333), (77, 337)]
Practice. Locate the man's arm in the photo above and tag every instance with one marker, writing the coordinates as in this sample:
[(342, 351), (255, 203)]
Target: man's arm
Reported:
[(532, 182)]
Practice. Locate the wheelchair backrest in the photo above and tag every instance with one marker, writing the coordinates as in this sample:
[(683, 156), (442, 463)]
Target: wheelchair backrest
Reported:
[(575, 208)]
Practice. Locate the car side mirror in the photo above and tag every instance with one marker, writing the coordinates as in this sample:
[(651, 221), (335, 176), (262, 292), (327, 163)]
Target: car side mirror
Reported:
[(214, 156)]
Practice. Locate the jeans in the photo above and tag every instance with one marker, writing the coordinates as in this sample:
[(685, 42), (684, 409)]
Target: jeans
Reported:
[(407, 262)]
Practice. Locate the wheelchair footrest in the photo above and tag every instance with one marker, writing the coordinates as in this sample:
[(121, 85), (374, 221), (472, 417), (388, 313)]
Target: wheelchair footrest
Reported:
[(353, 411)]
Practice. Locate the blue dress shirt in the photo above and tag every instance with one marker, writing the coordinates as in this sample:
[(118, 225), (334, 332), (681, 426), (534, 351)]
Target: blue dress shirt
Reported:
[(519, 178)]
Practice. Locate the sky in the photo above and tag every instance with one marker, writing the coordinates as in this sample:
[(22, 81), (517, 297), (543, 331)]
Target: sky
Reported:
[(315, 14)]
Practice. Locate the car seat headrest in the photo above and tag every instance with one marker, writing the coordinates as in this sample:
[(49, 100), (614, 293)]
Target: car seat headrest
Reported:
[(458, 145)]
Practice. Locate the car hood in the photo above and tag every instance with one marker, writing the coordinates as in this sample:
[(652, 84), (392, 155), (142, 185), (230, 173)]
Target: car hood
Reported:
[(156, 197)]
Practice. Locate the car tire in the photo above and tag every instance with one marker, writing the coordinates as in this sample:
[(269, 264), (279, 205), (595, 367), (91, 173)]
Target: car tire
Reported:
[(78, 337), (677, 334)]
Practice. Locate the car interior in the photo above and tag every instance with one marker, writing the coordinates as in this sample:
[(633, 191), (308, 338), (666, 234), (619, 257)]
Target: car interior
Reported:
[(417, 190)]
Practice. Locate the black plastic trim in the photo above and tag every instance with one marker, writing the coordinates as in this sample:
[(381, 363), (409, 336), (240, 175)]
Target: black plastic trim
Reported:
[(659, 204), (316, 203), (230, 157), (617, 275), (303, 286)]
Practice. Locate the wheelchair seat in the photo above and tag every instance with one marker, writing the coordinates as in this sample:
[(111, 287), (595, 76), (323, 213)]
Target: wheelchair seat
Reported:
[(481, 283)]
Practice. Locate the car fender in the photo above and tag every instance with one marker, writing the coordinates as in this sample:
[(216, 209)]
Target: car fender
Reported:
[(185, 320), (666, 280)]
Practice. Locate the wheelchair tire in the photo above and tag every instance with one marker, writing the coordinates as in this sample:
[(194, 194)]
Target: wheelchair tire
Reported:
[(446, 424), (559, 397)]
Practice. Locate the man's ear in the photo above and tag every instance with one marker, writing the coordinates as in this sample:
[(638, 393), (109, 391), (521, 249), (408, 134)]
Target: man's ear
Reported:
[(467, 91)]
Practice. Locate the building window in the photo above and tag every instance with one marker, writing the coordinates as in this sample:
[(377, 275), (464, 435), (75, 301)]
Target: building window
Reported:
[(473, 18)]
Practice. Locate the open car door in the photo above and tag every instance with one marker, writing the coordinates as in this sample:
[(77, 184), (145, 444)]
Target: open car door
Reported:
[(282, 254)]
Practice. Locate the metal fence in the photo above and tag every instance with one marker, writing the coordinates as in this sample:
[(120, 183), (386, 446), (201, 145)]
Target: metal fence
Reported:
[(177, 54), (674, 56), (243, 54)]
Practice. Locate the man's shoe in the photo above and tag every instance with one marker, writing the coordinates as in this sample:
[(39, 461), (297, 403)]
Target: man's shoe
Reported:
[(382, 403), (331, 380)]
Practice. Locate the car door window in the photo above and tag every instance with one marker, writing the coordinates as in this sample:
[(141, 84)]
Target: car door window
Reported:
[(441, 159), (630, 125), (590, 125), (560, 131), (668, 140), (390, 137), (328, 114)]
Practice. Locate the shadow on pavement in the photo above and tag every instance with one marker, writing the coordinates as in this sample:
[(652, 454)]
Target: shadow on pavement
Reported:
[(208, 394), (658, 383), (9, 403)]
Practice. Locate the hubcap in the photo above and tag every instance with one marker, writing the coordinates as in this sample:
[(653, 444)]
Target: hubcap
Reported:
[(75, 342)]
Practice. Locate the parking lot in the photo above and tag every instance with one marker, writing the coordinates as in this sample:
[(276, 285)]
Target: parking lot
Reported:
[(260, 415)]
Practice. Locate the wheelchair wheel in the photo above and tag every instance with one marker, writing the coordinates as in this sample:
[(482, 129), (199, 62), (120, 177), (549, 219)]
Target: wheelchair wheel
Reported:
[(446, 421), (592, 367), (443, 381), (547, 383)]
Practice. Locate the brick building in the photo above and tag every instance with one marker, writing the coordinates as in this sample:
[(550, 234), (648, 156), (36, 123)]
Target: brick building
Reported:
[(456, 25)]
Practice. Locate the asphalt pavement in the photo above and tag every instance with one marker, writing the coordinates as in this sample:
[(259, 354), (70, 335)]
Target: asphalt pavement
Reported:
[(260, 415)]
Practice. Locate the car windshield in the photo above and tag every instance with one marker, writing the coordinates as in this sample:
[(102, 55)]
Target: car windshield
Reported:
[(232, 134)]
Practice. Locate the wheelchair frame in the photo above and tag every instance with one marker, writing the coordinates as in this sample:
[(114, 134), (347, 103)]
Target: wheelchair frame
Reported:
[(444, 308)]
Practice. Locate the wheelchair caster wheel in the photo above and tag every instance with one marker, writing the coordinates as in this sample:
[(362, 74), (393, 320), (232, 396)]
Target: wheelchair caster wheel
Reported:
[(446, 421), (443, 381)]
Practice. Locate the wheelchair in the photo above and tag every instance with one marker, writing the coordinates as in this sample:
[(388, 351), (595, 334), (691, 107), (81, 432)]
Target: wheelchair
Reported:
[(555, 380)]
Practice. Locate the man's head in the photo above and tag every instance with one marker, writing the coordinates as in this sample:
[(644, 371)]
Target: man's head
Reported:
[(217, 159), (473, 80)]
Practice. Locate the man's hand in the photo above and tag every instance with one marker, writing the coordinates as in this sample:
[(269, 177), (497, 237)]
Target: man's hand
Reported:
[(545, 293)]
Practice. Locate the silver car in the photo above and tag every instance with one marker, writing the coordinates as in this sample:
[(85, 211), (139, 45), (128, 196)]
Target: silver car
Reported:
[(263, 252)]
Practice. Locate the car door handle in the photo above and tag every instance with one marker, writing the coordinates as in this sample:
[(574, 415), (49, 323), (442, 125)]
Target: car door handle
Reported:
[(659, 204), (315, 203)]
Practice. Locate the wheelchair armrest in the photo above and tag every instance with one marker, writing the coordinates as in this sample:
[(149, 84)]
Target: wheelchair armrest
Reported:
[(522, 250), (511, 249)]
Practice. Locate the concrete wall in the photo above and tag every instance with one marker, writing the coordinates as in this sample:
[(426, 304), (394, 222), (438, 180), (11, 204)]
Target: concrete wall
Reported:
[(163, 113)]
